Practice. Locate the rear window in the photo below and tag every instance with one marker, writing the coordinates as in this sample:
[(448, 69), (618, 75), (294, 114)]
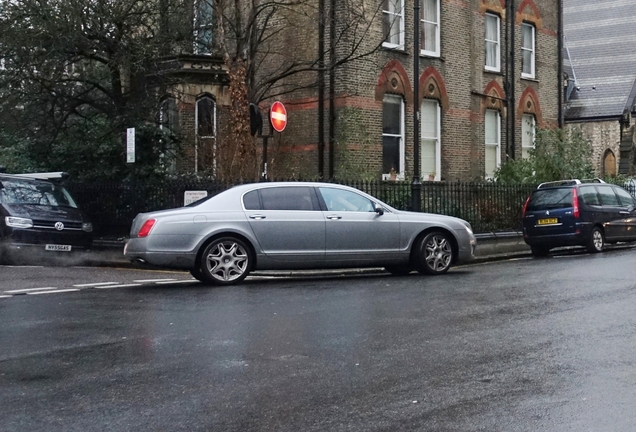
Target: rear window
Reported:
[(548, 199)]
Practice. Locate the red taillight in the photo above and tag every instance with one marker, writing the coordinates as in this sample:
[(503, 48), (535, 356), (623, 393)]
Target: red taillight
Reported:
[(525, 207), (146, 227), (575, 204)]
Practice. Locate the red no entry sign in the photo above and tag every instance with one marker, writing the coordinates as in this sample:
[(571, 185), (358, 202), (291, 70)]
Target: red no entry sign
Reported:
[(278, 116)]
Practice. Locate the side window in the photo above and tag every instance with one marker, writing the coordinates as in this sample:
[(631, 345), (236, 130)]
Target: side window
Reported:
[(625, 197), (608, 197), (343, 200), (589, 196), (251, 200), (288, 198)]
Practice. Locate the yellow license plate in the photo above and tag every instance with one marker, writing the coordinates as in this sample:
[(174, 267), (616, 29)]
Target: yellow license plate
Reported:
[(548, 221)]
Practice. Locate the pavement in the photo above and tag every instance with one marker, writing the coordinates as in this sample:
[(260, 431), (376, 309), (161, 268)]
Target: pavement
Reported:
[(490, 246)]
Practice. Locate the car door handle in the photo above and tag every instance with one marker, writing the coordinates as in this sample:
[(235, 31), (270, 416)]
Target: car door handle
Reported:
[(623, 212), (257, 217), (334, 217)]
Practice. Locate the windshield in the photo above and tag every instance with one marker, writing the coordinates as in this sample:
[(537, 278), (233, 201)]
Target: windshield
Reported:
[(34, 193), (550, 199)]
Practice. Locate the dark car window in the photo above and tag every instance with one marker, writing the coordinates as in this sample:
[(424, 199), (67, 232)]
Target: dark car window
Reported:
[(343, 200), (251, 201), (547, 199), (608, 197), (288, 198), (589, 195), (34, 193), (624, 196)]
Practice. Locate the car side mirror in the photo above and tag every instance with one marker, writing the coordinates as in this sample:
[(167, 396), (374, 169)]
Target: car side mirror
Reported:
[(378, 209)]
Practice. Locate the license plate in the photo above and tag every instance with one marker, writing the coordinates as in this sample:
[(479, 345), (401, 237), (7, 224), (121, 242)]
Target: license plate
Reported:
[(56, 247), (548, 221)]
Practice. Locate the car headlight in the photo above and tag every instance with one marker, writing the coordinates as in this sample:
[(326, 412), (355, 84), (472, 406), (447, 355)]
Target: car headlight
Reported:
[(18, 222), (87, 226), (469, 228)]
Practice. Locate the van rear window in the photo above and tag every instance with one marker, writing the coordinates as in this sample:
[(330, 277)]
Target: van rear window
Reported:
[(548, 199)]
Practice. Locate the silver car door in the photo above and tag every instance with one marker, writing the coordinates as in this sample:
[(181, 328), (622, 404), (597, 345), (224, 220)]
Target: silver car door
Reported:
[(288, 223), (355, 232)]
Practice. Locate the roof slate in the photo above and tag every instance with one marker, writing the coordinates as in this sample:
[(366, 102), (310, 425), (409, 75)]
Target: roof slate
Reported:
[(600, 38)]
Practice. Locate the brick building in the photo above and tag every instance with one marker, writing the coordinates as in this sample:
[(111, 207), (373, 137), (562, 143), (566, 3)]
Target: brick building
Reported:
[(488, 74), (600, 68)]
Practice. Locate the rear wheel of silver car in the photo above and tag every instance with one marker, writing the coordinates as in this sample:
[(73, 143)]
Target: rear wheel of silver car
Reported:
[(596, 242), (434, 254), (225, 261)]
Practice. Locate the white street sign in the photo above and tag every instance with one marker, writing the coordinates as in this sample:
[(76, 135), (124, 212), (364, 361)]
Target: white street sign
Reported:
[(192, 196), (130, 145)]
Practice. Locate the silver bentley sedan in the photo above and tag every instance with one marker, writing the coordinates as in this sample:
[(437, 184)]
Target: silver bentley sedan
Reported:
[(289, 225)]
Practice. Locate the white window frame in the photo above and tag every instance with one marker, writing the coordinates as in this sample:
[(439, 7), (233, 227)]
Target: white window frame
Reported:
[(528, 134), (396, 16), (438, 145), (530, 49), (496, 43), (400, 173), (436, 24), (496, 144)]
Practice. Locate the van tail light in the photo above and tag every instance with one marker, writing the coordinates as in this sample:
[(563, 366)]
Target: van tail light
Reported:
[(575, 204), (146, 227), (525, 207)]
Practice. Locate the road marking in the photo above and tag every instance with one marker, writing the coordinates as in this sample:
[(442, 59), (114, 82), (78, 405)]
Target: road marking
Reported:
[(154, 280), (119, 286), (29, 289), (96, 284), (176, 281), (54, 291)]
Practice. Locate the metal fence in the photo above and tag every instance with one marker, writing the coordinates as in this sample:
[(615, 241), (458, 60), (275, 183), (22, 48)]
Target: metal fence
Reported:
[(488, 206)]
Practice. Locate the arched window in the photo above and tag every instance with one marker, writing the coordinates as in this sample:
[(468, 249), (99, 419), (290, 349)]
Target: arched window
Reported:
[(206, 117), (169, 115), (492, 121)]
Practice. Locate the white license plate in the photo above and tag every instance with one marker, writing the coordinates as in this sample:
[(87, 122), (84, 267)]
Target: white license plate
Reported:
[(55, 247)]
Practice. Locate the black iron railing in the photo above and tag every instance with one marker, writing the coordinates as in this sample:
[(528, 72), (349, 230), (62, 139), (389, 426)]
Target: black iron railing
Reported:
[(488, 206)]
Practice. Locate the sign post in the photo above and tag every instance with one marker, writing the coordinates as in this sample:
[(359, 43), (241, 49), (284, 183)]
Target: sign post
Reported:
[(130, 145)]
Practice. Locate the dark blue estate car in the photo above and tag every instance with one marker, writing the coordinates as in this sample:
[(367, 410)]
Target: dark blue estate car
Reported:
[(586, 213)]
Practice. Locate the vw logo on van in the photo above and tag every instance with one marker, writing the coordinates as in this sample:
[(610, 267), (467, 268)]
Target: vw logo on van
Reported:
[(59, 226)]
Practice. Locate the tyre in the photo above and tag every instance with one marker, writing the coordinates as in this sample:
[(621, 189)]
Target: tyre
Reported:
[(434, 254), (596, 242), (225, 261), (539, 251), (399, 270), (197, 274)]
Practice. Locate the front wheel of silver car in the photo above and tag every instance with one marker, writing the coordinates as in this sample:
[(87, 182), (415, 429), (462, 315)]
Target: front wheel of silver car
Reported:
[(596, 242), (434, 254), (225, 261)]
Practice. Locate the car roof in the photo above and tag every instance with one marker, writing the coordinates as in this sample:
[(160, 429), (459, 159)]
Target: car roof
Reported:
[(570, 182), (15, 177)]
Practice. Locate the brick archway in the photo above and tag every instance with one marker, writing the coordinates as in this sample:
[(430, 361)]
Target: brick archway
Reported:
[(495, 97), (529, 104), (393, 79), (432, 87), (529, 12)]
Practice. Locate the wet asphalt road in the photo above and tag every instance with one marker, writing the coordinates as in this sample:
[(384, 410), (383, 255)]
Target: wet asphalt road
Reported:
[(526, 345)]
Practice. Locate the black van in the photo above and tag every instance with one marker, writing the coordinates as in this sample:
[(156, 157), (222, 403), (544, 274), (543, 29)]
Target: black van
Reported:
[(586, 213), (37, 214)]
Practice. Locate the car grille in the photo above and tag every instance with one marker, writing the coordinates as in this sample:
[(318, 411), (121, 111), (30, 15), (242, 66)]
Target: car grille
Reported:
[(47, 224)]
